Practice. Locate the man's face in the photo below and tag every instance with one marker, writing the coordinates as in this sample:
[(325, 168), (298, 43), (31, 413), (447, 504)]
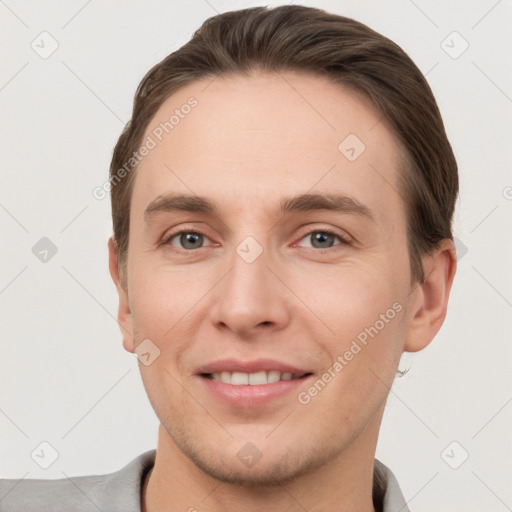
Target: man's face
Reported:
[(248, 288)]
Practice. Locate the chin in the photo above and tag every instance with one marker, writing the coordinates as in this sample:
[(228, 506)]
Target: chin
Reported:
[(262, 463), (275, 471)]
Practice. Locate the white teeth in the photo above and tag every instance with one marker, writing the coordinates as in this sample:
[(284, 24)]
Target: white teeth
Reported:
[(273, 376), (258, 378), (239, 379)]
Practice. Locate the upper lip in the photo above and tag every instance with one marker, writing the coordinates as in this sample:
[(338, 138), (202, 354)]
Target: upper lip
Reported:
[(256, 365)]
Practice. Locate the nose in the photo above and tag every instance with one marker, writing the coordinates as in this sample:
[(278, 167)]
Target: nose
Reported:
[(252, 298)]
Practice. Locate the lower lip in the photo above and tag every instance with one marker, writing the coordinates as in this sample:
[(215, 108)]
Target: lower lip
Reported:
[(247, 396)]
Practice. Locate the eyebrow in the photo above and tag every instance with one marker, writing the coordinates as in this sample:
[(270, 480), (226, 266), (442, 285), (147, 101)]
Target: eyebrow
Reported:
[(301, 203)]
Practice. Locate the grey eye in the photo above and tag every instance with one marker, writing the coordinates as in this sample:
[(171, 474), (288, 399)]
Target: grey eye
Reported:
[(190, 240), (322, 239)]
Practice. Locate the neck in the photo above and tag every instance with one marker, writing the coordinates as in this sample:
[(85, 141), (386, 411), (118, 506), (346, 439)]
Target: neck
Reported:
[(344, 483)]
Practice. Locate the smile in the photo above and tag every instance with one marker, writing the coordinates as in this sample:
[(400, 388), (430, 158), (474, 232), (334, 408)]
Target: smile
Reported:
[(253, 379)]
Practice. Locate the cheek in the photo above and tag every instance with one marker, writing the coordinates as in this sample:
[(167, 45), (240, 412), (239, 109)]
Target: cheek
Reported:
[(166, 302), (364, 313), (162, 296), (363, 356), (352, 297)]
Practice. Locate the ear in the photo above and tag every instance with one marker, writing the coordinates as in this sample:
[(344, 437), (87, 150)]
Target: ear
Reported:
[(124, 314), (430, 299)]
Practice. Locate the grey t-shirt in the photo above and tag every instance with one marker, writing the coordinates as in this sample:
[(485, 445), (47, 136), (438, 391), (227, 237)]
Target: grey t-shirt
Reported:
[(121, 491)]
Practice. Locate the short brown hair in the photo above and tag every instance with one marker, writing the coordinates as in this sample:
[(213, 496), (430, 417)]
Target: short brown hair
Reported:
[(299, 38)]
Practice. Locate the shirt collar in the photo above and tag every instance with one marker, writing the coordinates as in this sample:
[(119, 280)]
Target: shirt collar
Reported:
[(387, 495)]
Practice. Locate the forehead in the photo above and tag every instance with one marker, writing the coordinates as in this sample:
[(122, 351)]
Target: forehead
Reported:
[(265, 136)]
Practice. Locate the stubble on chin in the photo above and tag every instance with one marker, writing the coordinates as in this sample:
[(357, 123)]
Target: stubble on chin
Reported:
[(271, 470)]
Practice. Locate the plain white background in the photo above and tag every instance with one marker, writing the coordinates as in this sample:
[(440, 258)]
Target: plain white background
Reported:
[(65, 377)]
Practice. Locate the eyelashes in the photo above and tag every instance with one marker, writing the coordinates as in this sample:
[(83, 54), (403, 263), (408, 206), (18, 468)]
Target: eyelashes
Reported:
[(197, 234), (325, 231), (198, 237)]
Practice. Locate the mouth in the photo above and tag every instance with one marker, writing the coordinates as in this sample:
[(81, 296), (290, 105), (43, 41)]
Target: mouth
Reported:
[(260, 378), (252, 384)]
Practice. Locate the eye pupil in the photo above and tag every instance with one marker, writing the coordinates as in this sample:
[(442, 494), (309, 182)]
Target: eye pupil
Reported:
[(321, 237), (189, 240)]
